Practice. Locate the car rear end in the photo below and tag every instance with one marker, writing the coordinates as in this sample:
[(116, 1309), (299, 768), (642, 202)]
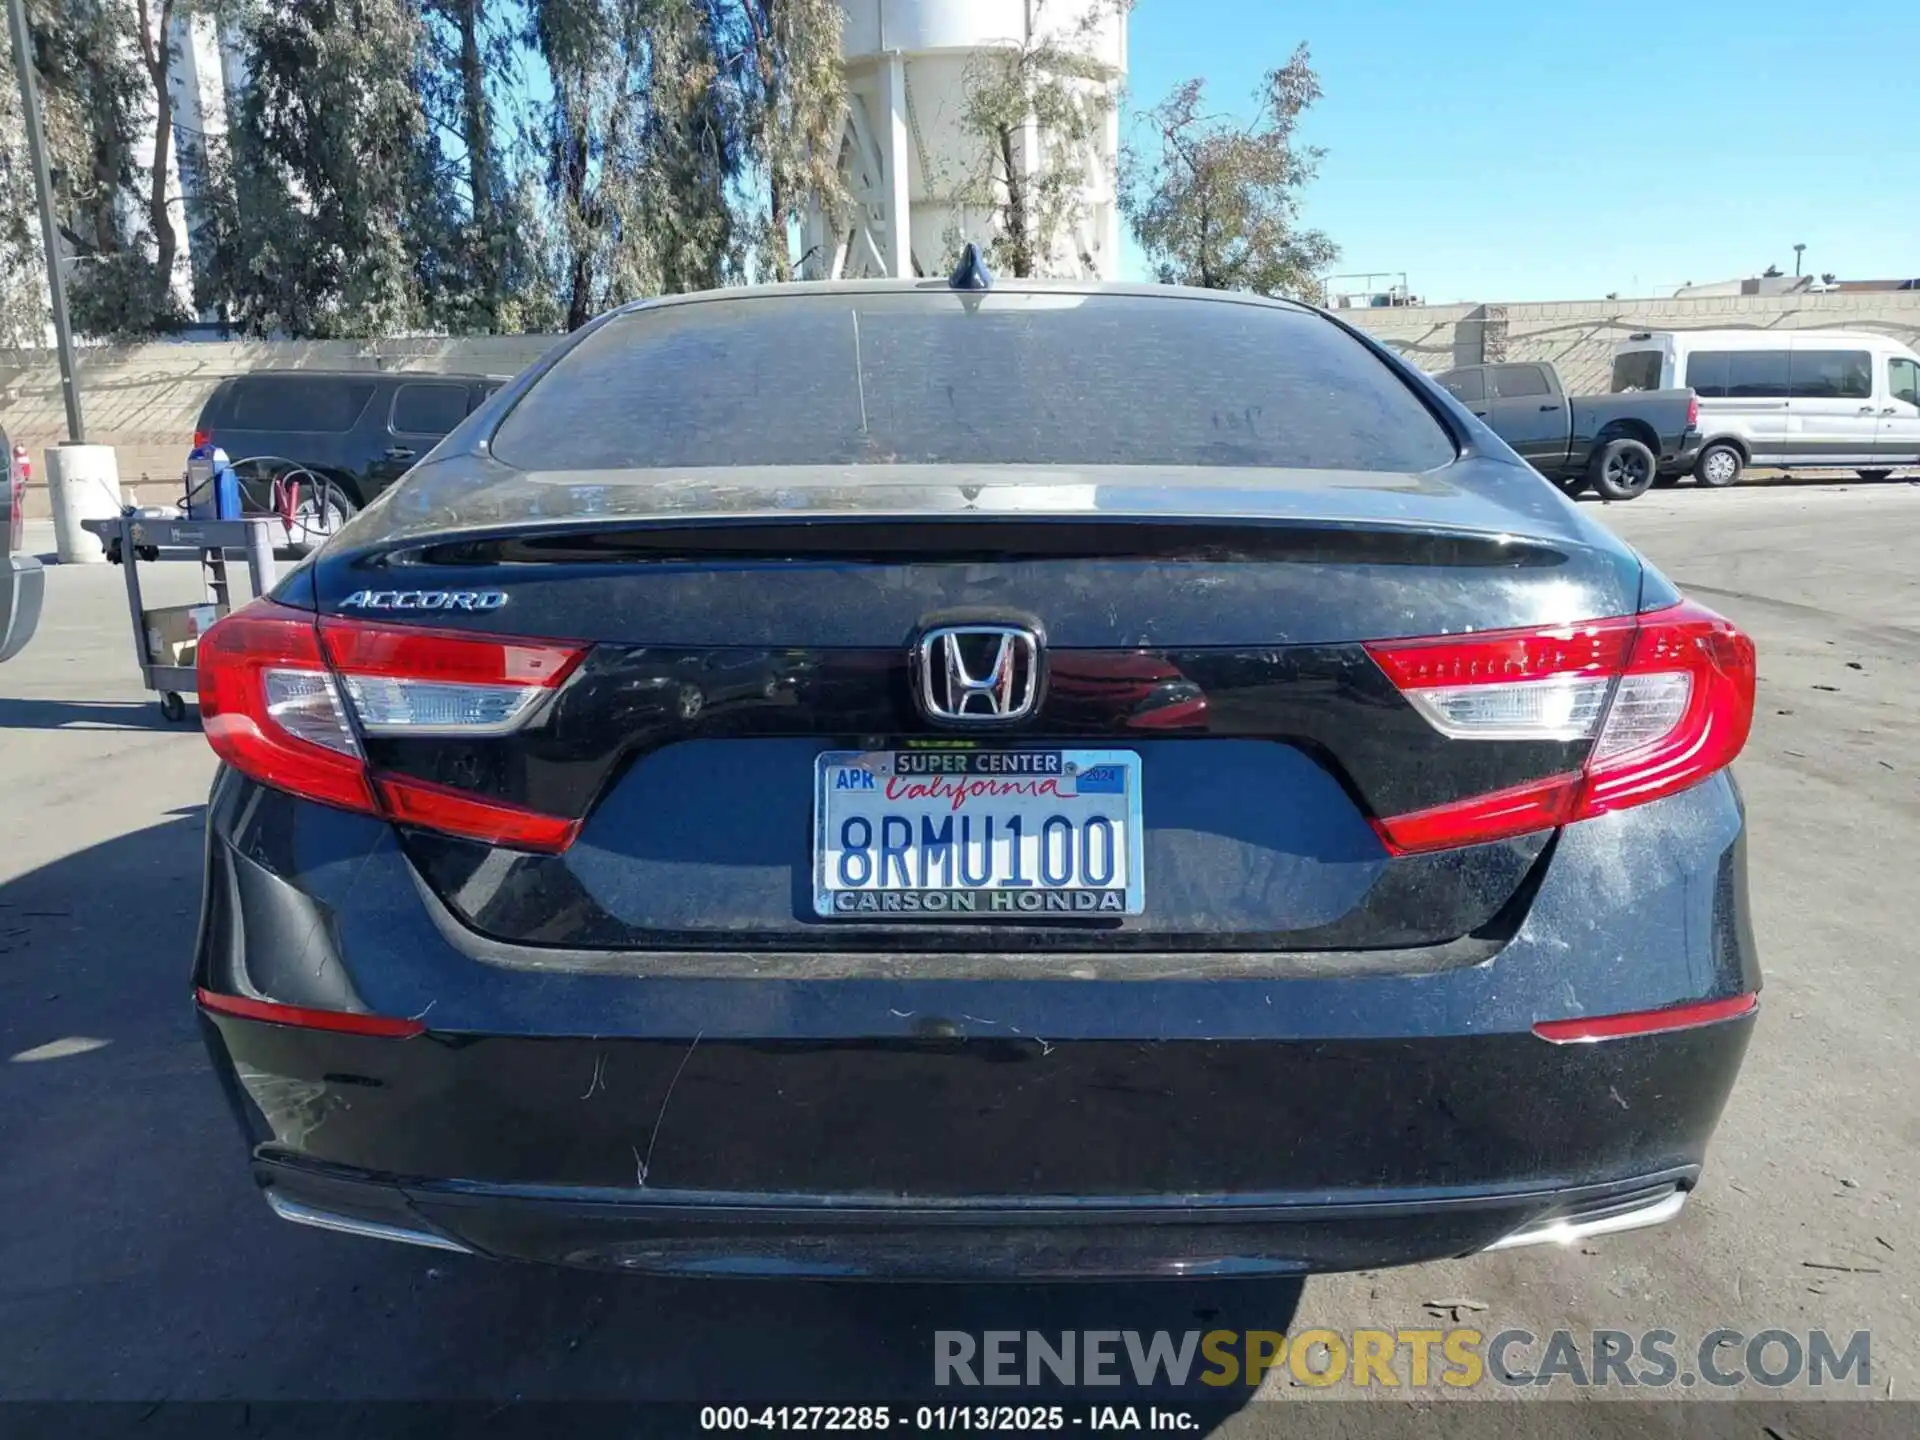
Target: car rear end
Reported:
[(1667, 422), (22, 581), (1692, 439), (864, 781)]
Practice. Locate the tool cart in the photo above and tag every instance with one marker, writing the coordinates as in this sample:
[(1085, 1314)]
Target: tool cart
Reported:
[(164, 640)]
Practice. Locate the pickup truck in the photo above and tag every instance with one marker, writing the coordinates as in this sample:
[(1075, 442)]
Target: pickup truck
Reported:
[(21, 580), (1618, 444)]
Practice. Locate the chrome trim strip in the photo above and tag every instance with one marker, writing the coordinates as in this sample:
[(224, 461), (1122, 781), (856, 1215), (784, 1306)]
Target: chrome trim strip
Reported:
[(1565, 1229), (372, 1229)]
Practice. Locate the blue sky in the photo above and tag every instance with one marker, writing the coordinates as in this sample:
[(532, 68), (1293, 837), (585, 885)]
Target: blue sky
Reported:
[(1562, 149)]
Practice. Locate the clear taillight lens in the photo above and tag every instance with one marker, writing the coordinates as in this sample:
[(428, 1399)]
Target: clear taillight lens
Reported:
[(387, 705), (286, 699), (1553, 709), (305, 705), (1645, 707)]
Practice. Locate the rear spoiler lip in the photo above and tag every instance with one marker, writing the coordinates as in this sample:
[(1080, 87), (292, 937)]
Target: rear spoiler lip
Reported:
[(468, 497), (1303, 518), (908, 537), (472, 495)]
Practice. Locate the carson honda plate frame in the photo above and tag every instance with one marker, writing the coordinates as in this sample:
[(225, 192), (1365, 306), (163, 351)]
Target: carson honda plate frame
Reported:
[(1003, 897)]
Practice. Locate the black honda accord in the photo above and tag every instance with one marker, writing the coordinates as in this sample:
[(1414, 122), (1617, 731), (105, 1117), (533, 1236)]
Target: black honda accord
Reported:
[(920, 780)]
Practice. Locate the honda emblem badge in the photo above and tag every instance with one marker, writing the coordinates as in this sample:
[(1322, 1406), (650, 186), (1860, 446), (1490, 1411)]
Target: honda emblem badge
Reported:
[(979, 674)]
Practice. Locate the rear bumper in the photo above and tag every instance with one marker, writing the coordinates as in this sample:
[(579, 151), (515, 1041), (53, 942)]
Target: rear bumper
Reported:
[(987, 1159), (953, 1116), (1160, 1237), (1681, 458)]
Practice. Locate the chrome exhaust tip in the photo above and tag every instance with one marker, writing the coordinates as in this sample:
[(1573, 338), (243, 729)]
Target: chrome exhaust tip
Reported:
[(301, 1214), (1619, 1217)]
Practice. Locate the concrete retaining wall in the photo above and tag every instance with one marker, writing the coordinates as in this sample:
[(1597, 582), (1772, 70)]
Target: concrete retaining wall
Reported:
[(144, 399), (1429, 335), (1579, 335)]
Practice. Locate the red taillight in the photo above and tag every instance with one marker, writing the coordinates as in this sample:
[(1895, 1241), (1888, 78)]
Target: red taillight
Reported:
[(271, 710), (202, 439), (403, 681), (1693, 411), (286, 699), (1597, 648), (1666, 699), (439, 807), (1647, 1022), (1519, 810), (343, 1022)]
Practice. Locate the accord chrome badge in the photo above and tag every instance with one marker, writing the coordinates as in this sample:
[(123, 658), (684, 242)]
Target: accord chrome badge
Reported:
[(979, 674), (425, 600)]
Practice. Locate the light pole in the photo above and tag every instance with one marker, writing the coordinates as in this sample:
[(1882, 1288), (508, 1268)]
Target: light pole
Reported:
[(1796, 254), (49, 233)]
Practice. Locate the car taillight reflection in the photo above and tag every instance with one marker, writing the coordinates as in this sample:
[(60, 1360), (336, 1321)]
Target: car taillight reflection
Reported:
[(1148, 691)]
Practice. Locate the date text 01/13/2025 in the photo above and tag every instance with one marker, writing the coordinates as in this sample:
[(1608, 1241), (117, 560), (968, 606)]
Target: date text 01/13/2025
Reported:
[(939, 1419)]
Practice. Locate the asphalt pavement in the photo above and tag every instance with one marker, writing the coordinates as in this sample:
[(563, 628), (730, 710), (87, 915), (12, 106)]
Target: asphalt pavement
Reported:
[(137, 1262)]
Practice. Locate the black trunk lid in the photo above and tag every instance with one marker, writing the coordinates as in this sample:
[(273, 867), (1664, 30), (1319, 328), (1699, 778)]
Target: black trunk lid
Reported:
[(1211, 623)]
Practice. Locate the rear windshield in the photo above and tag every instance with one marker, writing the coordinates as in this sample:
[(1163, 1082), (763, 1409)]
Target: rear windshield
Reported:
[(930, 378), (1637, 370), (307, 403)]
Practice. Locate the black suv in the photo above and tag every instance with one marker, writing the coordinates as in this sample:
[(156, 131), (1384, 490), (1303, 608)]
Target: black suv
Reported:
[(360, 430)]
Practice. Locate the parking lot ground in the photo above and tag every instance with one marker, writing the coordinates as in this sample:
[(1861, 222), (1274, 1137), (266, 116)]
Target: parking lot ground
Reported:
[(1805, 1218), (137, 1263)]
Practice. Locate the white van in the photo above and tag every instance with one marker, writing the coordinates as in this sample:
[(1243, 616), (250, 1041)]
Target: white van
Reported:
[(1785, 398)]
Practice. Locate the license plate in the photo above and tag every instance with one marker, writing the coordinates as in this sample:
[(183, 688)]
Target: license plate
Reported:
[(977, 834)]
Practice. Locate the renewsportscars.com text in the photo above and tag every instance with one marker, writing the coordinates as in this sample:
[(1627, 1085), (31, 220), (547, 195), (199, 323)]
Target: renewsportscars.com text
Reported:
[(1412, 1359)]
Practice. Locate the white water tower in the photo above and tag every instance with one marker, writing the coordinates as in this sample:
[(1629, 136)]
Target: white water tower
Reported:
[(905, 154)]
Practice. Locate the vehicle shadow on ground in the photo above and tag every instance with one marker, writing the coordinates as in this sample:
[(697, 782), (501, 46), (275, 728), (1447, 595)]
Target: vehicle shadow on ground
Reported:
[(138, 1262), (16, 714)]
